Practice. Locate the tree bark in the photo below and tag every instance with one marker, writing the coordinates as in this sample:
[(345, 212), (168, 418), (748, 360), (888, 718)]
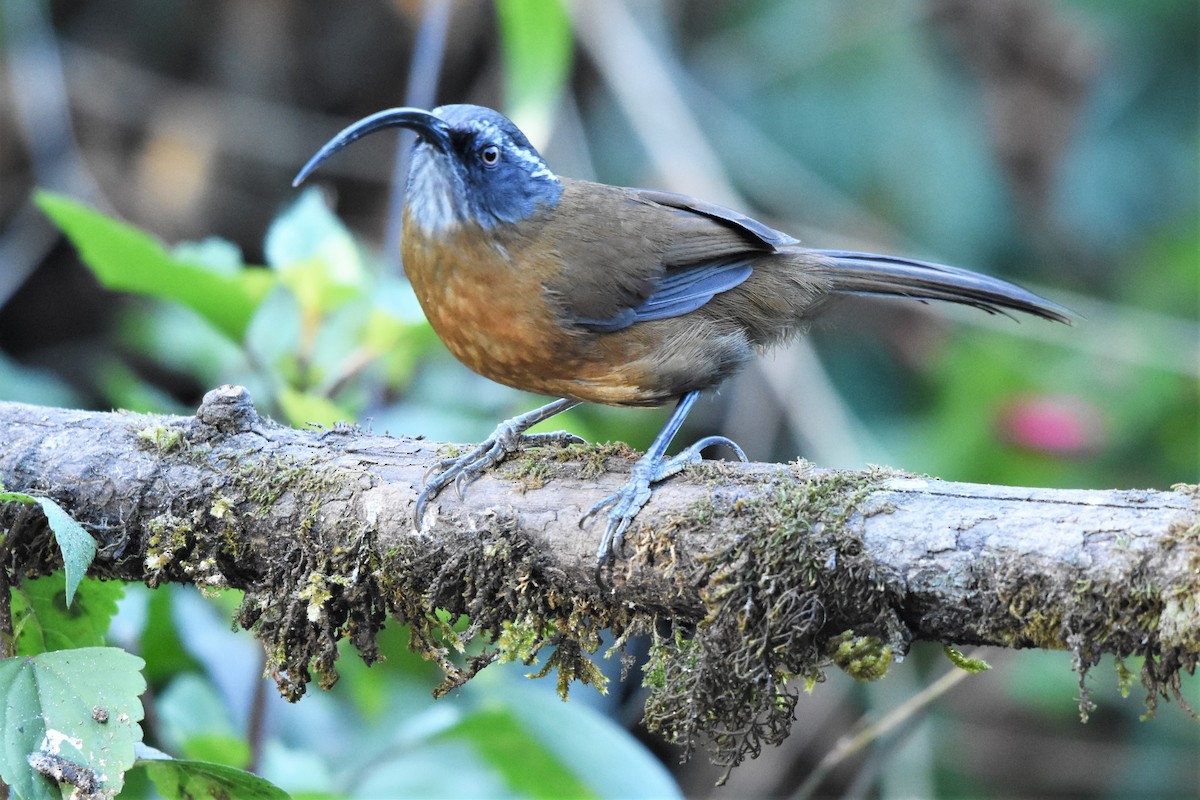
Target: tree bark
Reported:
[(783, 567)]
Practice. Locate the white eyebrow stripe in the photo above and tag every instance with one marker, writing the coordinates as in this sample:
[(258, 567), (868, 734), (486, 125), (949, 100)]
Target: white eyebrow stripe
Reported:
[(540, 170), (491, 132)]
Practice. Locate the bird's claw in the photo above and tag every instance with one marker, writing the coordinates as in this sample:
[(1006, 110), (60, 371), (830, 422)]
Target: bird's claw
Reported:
[(691, 454), (464, 470), (624, 504)]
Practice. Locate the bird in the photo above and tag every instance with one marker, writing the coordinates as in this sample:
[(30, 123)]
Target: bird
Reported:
[(592, 293)]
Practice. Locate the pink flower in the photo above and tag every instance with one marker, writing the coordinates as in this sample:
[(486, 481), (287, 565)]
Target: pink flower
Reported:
[(1063, 425)]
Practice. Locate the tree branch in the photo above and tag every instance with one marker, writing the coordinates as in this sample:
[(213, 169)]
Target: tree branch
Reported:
[(765, 571)]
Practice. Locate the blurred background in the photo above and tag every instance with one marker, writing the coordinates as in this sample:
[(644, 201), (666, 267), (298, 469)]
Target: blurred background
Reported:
[(1054, 143)]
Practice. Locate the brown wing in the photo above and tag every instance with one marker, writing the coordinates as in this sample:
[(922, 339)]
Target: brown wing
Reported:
[(634, 255)]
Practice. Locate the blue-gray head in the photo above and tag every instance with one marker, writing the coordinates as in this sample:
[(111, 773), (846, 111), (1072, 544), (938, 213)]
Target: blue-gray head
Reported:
[(470, 164)]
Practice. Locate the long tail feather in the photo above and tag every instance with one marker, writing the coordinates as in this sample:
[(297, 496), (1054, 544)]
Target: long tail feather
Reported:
[(868, 273)]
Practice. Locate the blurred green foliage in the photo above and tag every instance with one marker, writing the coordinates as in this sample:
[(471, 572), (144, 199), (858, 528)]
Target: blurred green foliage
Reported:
[(315, 333)]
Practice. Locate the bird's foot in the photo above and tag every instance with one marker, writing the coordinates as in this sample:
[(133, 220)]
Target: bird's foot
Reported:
[(463, 470), (622, 506)]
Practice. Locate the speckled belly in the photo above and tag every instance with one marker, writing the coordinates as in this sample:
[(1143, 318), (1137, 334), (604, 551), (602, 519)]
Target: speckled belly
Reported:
[(493, 316)]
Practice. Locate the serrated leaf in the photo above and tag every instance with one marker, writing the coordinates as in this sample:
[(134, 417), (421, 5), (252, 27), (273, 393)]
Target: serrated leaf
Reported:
[(81, 705), (126, 259), (43, 621), (177, 779)]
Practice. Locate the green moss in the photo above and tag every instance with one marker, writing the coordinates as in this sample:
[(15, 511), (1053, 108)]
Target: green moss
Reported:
[(318, 591), (314, 592), (528, 473), (864, 658), (1042, 630), (1177, 645), (533, 467), (1125, 676), (484, 598), (1136, 615), (971, 665), (594, 457), (163, 438), (673, 670), (265, 481), (168, 536), (488, 598), (776, 602), (1179, 618), (221, 507), (520, 640), (571, 664), (793, 593)]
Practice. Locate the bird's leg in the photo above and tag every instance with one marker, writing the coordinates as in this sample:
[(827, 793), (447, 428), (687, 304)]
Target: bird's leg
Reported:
[(505, 440), (651, 468)]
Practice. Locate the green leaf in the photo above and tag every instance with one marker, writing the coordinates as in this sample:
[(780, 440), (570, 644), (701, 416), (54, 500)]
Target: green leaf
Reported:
[(77, 545), (43, 621), (305, 408), (575, 733), (81, 705), (178, 339), (215, 253), (125, 388), (177, 779), (307, 230), (315, 255), (537, 46), (126, 259), (527, 767), (194, 722), (230, 750), (532, 744), (160, 642)]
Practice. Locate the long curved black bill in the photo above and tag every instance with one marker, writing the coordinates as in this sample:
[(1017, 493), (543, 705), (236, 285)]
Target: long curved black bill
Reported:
[(434, 130)]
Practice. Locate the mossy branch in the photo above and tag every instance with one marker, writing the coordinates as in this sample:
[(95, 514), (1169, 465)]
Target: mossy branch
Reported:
[(765, 572)]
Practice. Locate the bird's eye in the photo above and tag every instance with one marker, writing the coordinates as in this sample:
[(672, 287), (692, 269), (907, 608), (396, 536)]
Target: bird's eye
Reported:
[(489, 155)]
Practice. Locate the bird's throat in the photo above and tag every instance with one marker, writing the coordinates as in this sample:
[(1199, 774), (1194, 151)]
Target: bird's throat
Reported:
[(433, 198)]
